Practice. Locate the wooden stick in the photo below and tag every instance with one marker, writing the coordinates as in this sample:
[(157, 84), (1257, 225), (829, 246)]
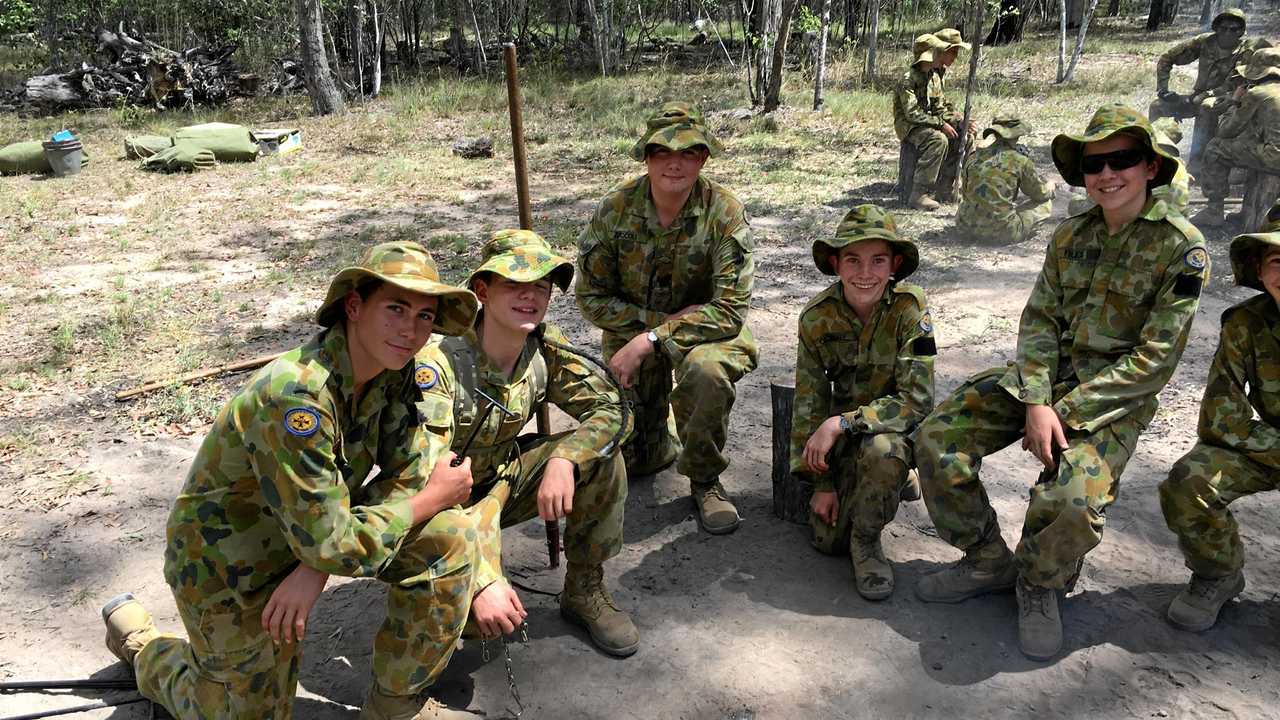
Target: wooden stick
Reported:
[(191, 377)]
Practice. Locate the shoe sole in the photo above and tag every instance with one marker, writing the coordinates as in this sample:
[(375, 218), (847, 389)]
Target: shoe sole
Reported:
[(954, 599), (115, 603), (719, 530), (1040, 657), (875, 596), (1239, 588), (581, 622)]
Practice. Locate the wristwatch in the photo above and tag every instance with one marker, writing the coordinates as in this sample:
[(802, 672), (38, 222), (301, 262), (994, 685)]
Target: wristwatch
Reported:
[(845, 427), (653, 338)]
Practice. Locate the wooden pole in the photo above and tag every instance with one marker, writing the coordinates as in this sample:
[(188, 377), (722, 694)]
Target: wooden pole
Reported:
[(790, 495), (974, 57), (191, 377), (526, 223)]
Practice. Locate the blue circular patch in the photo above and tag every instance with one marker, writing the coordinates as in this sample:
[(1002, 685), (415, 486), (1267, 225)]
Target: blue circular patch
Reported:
[(926, 322), (1196, 258), (302, 422), (426, 376)]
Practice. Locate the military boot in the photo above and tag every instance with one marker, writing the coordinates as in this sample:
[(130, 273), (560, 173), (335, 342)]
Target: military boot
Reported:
[(1039, 623), (585, 602), (872, 573), (910, 491), (1210, 216), (380, 706), (923, 200), (985, 569), (129, 627), (1196, 608), (716, 512)]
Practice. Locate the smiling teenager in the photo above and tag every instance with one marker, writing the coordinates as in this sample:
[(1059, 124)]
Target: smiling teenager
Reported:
[(1100, 335), (578, 475), (864, 379), (279, 498), (666, 271)]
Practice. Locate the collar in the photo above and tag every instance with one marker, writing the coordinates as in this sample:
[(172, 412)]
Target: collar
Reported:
[(335, 352), (489, 372), (693, 206)]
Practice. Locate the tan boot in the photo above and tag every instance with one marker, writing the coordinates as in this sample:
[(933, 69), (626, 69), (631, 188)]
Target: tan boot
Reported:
[(716, 512), (585, 602), (129, 627), (380, 706), (872, 573), (982, 570), (1039, 622), (1196, 608), (923, 201)]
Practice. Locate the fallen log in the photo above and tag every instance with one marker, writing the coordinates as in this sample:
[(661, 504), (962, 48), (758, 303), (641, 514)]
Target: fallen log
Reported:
[(191, 377)]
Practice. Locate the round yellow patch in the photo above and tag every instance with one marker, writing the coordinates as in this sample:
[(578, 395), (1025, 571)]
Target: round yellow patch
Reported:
[(302, 422), (426, 376), (1196, 258)]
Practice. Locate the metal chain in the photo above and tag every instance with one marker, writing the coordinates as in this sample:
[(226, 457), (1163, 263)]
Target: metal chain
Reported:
[(511, 675)]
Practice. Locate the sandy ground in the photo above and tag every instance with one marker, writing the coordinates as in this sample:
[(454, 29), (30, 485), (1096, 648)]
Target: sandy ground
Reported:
[(752, 625)]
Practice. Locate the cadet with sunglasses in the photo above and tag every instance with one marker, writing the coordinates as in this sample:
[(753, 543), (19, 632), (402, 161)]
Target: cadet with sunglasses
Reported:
[(1238, 453), (1100, 335)]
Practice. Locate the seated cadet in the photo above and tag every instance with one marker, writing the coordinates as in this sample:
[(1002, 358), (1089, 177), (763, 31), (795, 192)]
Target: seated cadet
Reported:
[(989, 207), (666, 270), (279, 497), (512, 357), (1177, 193), (923, 117), (1238, 453), (1249, 135), (864, 378), (1100, 335)]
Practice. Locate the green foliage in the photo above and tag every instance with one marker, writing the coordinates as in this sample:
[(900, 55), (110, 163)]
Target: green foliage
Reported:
[(16, 16)]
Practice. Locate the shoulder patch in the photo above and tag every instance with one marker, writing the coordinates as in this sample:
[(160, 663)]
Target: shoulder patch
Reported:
[(926, 322), (302, 422), (924, 346), (1196, 259), (426, 376)]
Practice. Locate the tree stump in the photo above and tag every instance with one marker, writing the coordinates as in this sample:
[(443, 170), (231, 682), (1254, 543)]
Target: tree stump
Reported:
[(907, 156), (790, 494), (1261, 193)]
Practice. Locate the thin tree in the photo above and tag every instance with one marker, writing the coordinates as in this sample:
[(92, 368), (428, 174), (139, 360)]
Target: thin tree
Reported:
[(1062, 40), (773, 92), (873, 35), (325, 98), (974, 58), (820, 76), (1084, 30)]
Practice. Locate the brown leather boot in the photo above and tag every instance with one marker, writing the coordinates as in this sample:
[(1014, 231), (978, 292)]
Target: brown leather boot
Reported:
[(129, 627), (586, 602)]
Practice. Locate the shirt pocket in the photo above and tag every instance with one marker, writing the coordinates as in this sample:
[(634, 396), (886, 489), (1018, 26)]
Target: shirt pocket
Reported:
[(1127, 305), (436, 412), (839, 356)]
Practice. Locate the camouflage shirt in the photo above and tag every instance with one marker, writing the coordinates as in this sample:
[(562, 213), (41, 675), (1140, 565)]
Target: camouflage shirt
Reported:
[(281, 477), (992, 181), (918, 100), (567, 381), (1178, 192), (878, 375), (1257, 118), (633, 272), (1215, 62), (1241, 406), (1108, 317)]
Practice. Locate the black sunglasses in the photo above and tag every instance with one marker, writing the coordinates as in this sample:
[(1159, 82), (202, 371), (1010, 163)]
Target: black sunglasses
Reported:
[(1117, 161)]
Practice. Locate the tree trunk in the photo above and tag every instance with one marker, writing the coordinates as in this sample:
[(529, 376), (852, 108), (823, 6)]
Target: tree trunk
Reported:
[(458, 34), (1084, 30), (355, 39), (821, 69), (873, 38), (325, 98), (773, 94), (968, 92), (1062, 39), (375, 85), (1113, 8), (1008, 26), (1155, 18)]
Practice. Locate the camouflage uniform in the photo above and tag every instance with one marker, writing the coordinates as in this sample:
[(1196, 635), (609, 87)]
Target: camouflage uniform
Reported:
[(1101, 334), (281, 479), (1177, 193), (634, 273), (989, 209), (1249, 135), (1239, 449), (920, 108)]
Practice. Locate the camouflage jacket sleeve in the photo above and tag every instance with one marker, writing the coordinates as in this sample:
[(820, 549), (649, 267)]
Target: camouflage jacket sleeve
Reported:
[(409, 446), (1184, 53), (597, 289), (726, 314), (1040, 331), (1227, 418), (812, 407), (1239, 117), (908, 104), (302, 484), (1141, 372), (901, 411), (578, 387), (1029, 182)]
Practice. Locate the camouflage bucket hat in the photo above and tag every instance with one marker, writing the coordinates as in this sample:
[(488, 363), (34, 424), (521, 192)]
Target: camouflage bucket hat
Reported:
[(406, 265), (1107, 121), (1264, 63), (951, 37), (867, 222), (1168, 135), (677, 126), (1008, 127), (1246, 250), (523, 256), (1233, 14), (925, 48)]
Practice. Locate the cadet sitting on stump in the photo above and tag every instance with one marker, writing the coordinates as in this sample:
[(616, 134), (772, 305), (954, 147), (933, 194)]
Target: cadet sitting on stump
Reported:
[(666, 271), (864, 379), (989, 208), (923, 117), (1238, 453), (1249, 135), (277, 500), (512, 357), (1100, 335)]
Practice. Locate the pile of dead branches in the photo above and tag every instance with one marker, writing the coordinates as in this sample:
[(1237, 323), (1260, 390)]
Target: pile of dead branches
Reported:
[(136, 73)]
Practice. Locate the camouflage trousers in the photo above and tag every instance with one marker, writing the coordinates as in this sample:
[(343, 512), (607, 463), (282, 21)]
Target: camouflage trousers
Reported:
[(593, 530), (1066, 515), (1020, 226), (1183, 107), (700, 400), (229, 669), (937, 161), (1195, 497), (1223, 154), (869, 473)]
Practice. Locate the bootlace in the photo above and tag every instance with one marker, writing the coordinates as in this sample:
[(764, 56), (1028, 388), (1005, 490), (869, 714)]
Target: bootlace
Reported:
[(1206, 588), (1035, 600), (716, 491)]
